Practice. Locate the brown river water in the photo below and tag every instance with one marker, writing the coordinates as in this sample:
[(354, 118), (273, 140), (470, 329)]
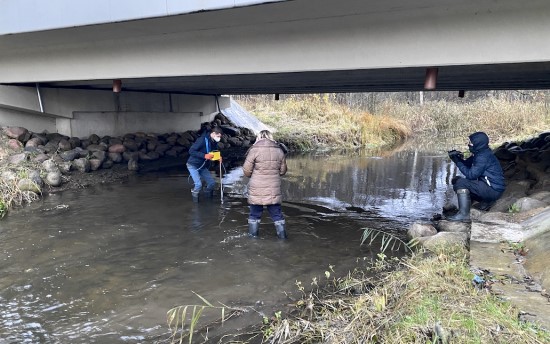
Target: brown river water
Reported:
[(105, 264)]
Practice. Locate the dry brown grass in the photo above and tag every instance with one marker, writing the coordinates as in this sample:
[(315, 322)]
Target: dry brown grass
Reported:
[(312, 121), (500, 119), (430, 299)]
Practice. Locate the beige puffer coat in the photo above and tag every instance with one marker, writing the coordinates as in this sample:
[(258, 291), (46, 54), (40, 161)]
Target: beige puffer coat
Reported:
[(265, 163)]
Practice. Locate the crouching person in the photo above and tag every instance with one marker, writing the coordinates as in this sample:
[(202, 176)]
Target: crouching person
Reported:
[(483, 179), (265, 163)]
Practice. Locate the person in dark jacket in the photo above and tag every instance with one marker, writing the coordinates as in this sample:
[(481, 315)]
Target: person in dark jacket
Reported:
[(265, 163), (199, 161), (483, 179)]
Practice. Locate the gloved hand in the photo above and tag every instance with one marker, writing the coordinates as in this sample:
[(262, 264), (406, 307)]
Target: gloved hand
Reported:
[(208, 156), (455, 155)]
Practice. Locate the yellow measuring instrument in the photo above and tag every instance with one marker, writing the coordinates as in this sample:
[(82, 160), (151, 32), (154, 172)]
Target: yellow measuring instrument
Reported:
[(216, 154)]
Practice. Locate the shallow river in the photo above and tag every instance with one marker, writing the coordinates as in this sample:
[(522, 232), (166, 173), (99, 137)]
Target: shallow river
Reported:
[(105, 264)]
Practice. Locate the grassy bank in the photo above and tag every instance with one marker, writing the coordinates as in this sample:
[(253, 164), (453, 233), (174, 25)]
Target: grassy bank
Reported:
[(429, 299), (313, 121), (501, 119), (310, 121)]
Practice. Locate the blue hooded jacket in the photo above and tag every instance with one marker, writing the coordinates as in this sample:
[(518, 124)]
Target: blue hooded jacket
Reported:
[(483, 164), (204, 144)]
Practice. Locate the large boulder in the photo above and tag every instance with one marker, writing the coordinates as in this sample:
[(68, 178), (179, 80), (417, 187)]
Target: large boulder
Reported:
[(26, 184), (18, 159), (417, 230), (444, 239), (82, 164), (18, 133), (53, 178), (526, 203)]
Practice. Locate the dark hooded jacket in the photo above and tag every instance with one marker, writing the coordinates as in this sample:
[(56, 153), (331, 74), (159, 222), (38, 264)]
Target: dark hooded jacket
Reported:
[(204, 144), (483, 164)]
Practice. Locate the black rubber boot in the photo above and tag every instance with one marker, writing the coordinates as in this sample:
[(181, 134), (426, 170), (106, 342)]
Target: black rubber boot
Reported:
[(253, 228), (280, 227), (464, 204), (195, 195)]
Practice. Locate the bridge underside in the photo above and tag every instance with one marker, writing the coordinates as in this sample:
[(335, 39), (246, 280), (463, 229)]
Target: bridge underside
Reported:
[(298, 46), (471, 77)]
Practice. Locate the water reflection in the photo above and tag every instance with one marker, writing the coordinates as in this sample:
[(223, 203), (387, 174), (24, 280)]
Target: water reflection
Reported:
[(406, 185)]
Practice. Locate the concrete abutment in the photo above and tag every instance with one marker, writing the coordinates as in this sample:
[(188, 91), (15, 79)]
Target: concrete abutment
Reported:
[(80, 113)]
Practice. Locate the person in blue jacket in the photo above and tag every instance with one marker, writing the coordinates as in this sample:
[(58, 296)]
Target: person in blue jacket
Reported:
[(483, 179), (199, 161)]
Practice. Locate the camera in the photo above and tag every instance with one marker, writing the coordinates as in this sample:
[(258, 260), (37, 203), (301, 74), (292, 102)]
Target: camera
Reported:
[(453, 154)]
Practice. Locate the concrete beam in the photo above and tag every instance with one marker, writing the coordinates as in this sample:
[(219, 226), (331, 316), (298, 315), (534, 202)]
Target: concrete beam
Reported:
[(289, 36)]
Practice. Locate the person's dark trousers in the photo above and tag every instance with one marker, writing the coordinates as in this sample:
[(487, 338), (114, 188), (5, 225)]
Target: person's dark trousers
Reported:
[(274, 211), (479, 190)]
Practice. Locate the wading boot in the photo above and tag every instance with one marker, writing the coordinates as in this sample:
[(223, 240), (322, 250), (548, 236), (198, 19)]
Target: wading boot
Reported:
[(253, 228), (280, 227), (464, 203), (195, 196)]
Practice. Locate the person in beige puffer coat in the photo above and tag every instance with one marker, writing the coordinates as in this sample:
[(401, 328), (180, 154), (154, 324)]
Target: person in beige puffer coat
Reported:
[(265, 163)]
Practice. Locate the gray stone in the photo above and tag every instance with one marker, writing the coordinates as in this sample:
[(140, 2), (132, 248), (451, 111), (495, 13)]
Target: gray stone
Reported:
[(94, 147), (493, 217), (526, 203), (50, 147), (454, 226), (443, 239), (231, 131), (537, 224), (495, 232), (75, 142), (64, 145), (131, 145), (65, 166), (94, 139), (541, 196), (95, 164), (9, 176), (17, 159), (53, 178), (417, 230), (50, 166), (99, 155), (82, 153), (235, 141), (26, 184), (82, 164), (162, 148), (34, 175), (69, 155), (115, 157), (41, 157)]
